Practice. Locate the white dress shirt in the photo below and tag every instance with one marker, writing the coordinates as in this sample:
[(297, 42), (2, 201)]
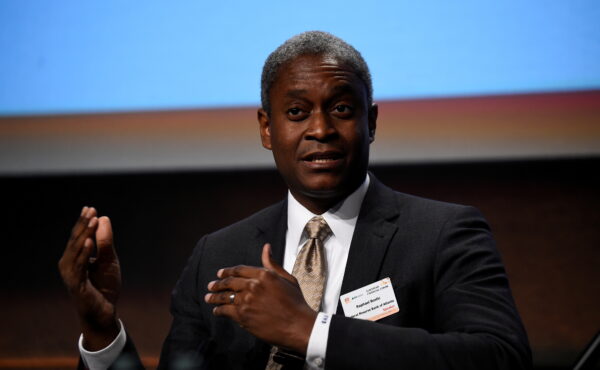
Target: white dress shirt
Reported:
[(102, 359), (341, 220)]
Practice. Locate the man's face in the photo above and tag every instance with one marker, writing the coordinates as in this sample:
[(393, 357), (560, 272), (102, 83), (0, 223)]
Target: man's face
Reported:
[(319, 128)]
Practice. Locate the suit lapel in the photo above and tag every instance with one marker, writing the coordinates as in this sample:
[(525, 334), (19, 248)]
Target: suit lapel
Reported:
[(271, 228), (371, 238)]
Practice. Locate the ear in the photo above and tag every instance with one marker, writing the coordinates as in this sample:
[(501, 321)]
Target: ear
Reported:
[(373, 112), (264, 123)]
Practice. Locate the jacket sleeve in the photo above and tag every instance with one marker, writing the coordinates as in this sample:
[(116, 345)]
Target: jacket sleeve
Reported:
[(187, 340), (128, 358), (475, 324), (183, 347)]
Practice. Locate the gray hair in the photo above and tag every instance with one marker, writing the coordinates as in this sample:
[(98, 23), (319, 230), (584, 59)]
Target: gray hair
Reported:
[(313, 43)]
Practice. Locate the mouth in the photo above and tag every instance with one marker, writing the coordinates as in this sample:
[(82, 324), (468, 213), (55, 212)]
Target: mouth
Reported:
[(323, 160), (322, 157)]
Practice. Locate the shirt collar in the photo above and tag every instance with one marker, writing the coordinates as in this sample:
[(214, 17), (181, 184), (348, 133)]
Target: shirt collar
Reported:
[(341, 218)]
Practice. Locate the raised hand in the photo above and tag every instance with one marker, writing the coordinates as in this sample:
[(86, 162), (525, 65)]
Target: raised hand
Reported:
[(265, 301), (93, 282)]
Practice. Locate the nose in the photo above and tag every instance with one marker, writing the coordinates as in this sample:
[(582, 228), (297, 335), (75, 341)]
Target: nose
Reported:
[(320, 127)]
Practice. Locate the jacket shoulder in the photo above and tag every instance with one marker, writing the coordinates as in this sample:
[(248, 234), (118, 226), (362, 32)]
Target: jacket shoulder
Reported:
[(416, 208), (248, 227)]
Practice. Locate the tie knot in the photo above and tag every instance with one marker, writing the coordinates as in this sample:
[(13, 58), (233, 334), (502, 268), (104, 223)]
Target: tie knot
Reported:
[(317, 228)]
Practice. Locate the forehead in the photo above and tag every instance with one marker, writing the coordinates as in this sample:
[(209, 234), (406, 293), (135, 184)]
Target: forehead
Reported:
[(317, 73)]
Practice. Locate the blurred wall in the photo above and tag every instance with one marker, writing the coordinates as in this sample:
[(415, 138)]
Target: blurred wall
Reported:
[(543, 213), (526, 126)]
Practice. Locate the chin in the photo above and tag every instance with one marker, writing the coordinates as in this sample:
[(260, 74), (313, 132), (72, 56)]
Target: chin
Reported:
[(328, 188), (334, 193)]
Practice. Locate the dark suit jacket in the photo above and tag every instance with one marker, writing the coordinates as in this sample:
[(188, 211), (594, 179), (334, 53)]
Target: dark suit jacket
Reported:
[(456, 308)]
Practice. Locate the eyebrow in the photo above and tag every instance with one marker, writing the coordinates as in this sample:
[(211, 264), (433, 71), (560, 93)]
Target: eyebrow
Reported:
[(337, 90), (342, 89), (298, 93)]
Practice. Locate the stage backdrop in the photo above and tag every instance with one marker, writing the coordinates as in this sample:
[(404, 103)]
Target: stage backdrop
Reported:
[(107, 86), (147, 110)]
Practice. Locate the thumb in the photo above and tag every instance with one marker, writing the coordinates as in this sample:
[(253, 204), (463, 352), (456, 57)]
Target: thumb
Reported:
[(270, 264), (104, 240)]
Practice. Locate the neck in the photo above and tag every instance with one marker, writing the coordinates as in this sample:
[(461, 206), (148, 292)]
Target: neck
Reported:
[(318, 206), (321, 202)]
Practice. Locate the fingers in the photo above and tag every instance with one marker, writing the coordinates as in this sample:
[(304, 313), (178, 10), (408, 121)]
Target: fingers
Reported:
[(104, 240), (225, 305), (240, 271), (231, 283), (224, 297), (73, 263), (83, 229), (272, 265), (243, 278), (227, 311), (86, 214), (255, 272), (81, 261), (220, 291), (266, 258)]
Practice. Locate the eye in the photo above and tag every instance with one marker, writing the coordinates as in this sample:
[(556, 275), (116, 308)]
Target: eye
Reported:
[(296, 114), (343, 110), (294, 111)]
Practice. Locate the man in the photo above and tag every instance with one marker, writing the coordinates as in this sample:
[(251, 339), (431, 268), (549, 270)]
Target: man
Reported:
[(338, 231)]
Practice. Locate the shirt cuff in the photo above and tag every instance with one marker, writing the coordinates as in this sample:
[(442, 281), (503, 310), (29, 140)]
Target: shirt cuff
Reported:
[(317, 343), (102, 359)]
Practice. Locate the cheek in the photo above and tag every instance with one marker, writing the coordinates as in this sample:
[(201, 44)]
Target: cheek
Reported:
[(285, 141), (284, 155), (356, 137)]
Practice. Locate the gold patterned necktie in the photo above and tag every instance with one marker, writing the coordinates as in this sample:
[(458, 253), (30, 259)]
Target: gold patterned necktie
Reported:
[(310, 269)]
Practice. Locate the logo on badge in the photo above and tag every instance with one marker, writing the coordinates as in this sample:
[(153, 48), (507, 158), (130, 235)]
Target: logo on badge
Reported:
[(347, 300)]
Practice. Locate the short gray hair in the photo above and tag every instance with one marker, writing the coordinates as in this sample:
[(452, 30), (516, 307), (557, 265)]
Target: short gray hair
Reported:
[(313, 43)]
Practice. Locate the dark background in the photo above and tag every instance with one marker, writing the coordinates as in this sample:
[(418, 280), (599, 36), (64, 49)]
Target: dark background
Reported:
[(544, 214)]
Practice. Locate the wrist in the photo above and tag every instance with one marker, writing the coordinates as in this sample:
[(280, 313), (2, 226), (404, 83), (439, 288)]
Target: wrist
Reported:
[(99, 336), (302, 330)]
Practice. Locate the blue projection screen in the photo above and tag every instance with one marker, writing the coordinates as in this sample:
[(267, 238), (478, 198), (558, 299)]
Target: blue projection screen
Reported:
[(101, 56)]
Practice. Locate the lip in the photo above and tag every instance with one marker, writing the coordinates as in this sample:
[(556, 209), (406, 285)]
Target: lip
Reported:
[(323, 160)]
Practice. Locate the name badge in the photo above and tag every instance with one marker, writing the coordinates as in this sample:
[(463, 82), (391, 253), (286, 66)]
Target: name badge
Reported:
[(371, 302)]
